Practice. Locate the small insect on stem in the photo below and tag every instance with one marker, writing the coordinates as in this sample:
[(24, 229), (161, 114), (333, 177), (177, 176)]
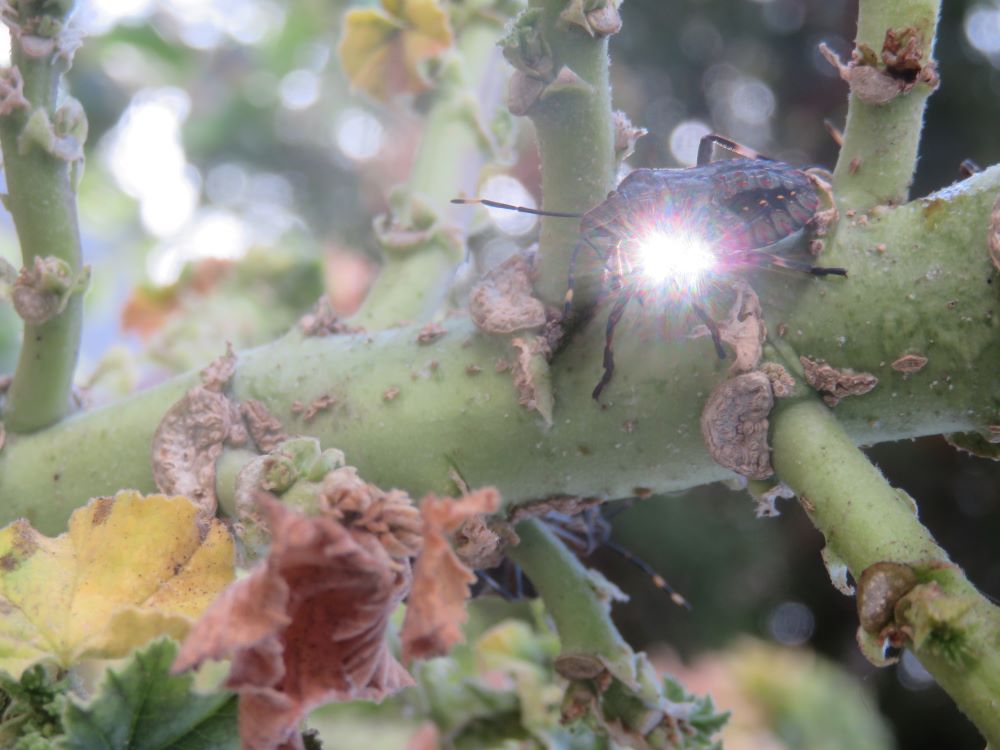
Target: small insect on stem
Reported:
[(674, 233)]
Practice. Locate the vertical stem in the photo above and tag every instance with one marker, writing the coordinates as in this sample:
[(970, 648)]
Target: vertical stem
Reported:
[(881, 141), (866, 521), (576, 145), (42, 202), (413, 282), (581, 614)]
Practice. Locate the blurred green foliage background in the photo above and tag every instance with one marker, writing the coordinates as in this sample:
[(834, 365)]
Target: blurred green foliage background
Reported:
[(231, 175)]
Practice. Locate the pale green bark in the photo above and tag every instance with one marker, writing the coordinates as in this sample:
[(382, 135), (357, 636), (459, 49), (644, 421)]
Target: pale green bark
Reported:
[(42, 201)]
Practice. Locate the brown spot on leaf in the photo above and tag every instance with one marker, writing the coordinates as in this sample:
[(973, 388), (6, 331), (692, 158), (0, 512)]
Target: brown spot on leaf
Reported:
[(734, 424), (501, 365), (306, 627), (3, 436), (833, 384), (430, 333), (318, 404), (503, 303), (910, 363), (265, 429), (473, 369), (579, 666), (435, 610), (855, 165), (642, 492), (389, 394), (102, 507), (191, 435)]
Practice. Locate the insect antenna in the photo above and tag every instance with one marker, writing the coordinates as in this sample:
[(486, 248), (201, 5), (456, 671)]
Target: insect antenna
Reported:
[(511, 207)]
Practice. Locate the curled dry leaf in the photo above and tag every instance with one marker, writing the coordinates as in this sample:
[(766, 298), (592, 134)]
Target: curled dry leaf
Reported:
[(910, 363), (734, 424), (265, 429), (626, 135), (130, 568), (901, 67), (503, 303), (191, 434), (880, 587), (743, 329), (482, 542), (531, 375), (384, 51), (833, 384), (435, 611), (43, 289), (307, 626)]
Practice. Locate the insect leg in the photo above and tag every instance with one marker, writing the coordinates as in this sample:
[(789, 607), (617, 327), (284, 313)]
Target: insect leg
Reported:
[(609, 336), (706, 148), (712, 328), (495, 585), (796, 265), (511, 207), (659, 581)]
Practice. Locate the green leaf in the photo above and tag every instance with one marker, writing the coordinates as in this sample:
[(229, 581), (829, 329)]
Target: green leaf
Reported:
[(141, 705), (31, 708)]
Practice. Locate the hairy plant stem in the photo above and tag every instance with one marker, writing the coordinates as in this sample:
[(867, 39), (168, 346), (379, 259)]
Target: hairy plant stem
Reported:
[(927, 292), (577, 148), (42, 201), (866, 521), (582, 615), (413, 282), (879, 154)]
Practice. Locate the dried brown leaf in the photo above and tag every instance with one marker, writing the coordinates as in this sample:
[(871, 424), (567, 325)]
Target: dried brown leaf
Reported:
[(531, 375), (430, 333), (435, 610), (323, 320), (265, 429), (833, 384), (191, 435), (307, 626), (503, 301), (734, 424)]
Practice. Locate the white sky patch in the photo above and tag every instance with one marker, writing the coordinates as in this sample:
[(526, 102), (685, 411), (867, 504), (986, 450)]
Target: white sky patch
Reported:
[(506, 189), (982, 28), (146, 158), (684, 140), (5, 47), (299, 89), (358, 134), (215, 233)]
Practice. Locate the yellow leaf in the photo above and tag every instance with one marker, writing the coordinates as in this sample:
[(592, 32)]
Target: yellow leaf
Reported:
[(383, 51), (129, 569)]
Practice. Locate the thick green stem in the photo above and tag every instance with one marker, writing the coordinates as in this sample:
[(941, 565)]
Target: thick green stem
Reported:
[(414, 281), (576, 143), (879, 154), (42, 201), (866, 521), (581, 612), (408, 414)]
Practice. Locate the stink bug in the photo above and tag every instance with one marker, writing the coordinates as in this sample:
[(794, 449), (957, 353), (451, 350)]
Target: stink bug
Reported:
[(668, 230)]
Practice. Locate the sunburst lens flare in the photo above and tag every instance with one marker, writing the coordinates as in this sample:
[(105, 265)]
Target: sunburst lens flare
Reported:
[(678, 259)]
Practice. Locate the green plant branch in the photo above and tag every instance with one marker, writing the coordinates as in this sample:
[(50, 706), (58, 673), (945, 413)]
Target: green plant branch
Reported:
[(926, 292), (413, 282), (879, 153), (576, 143), (574, 600), (866, 521), (42, 200)]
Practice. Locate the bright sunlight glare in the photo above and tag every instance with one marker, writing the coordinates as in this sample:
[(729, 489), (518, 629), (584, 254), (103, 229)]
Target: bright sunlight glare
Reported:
[(679, 258)]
